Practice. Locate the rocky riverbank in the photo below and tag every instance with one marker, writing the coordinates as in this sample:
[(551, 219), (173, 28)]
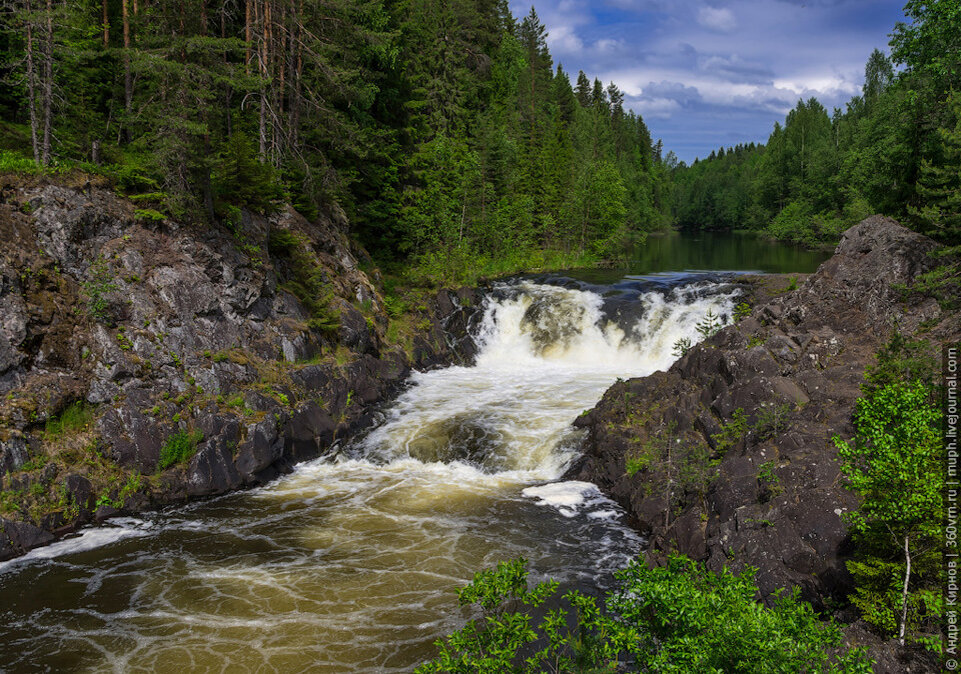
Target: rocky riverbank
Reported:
[(145, 362), (765, 490)]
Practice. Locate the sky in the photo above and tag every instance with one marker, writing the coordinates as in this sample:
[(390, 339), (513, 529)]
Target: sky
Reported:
[(707, 74)]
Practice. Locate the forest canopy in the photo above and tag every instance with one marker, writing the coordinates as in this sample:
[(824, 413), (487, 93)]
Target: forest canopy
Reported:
[(444, 129)]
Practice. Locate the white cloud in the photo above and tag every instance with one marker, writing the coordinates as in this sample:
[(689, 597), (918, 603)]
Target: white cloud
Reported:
[(719, 19), (563, 40), (718, 70)]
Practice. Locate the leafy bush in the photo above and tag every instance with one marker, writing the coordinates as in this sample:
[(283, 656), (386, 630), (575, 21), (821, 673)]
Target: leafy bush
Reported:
[(179, 447), (772, 420), (901, 360), (283, 242), (149, 215), (676, 618)]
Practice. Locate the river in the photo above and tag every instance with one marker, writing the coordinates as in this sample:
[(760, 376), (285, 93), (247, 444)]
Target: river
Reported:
[(352, 562)]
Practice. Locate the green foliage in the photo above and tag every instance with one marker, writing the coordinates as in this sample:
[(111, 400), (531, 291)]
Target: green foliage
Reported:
[(675, 618), (178, 448), (241, 179), (769, 484), (306, 279), (681, 347), (430, 147), (902, 360), (710, 325), (771, 420), (96, 288), (894, 465), (13, 162), (894, 149), (149, 215), (741, 311), (74, 418), (134, 484), (731, 433)]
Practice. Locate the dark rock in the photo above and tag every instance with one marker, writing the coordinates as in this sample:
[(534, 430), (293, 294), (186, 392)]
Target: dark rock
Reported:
[(212, 469), (18, 537), (775, 501), (105, 512), (354, 331), (262, 448), (310, 428), (13, 454), (81, 491)]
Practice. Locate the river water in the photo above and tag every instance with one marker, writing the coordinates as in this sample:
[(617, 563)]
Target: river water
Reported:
[(351, 563)]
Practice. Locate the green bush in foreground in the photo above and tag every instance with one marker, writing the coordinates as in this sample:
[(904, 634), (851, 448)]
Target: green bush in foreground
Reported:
[(179, 447), (677, 618)]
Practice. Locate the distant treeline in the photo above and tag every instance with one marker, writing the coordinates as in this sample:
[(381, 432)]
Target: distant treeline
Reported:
[(895, 149), (442, 128)]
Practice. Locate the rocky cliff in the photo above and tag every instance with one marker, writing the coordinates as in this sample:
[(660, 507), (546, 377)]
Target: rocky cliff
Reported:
[(145, 361), (764, 489)]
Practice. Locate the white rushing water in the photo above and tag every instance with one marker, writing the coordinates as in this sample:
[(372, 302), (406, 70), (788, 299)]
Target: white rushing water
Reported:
[(546, 354), (351, 564)]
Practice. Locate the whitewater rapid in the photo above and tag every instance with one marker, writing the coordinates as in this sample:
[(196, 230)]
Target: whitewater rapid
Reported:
[(351, 563)]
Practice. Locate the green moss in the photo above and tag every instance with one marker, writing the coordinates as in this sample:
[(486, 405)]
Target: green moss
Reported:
[(149, 215)]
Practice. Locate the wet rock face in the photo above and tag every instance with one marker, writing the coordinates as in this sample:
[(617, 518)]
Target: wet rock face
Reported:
[(771, 497), (164, 329)]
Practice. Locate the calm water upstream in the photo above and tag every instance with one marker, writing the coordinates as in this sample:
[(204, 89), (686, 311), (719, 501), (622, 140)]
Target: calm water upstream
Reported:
[(351, 564)]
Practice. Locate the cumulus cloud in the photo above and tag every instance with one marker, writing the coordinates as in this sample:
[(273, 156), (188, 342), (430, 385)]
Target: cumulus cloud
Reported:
[(719, 19), (563, 39), (718, 71)]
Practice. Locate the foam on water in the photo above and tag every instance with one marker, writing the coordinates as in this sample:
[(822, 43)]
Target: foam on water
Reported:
[(89, 539)]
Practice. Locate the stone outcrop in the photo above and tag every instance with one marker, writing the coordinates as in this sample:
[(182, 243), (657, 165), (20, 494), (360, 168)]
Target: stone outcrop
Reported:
[(771, 496), (157, 328)]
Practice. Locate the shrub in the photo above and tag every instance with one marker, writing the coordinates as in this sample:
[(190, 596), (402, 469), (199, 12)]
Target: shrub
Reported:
[(179, 447), (710, 325), (731, 432), (240, 178), (676, 618)]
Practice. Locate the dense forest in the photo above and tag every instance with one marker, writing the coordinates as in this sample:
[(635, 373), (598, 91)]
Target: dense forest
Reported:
[(443, 129), (895, 149)]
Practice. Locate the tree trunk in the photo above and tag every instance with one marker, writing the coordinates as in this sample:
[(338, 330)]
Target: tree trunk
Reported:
[(127, 77), (106, 26), (247, 36), (260, 20), (32, 85), (47, 86), (904, 592)]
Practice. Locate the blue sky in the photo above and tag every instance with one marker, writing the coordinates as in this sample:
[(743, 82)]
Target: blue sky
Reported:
[(706, 74)]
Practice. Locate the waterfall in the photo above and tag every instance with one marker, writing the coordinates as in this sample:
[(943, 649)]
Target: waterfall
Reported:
[(546, 353)]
